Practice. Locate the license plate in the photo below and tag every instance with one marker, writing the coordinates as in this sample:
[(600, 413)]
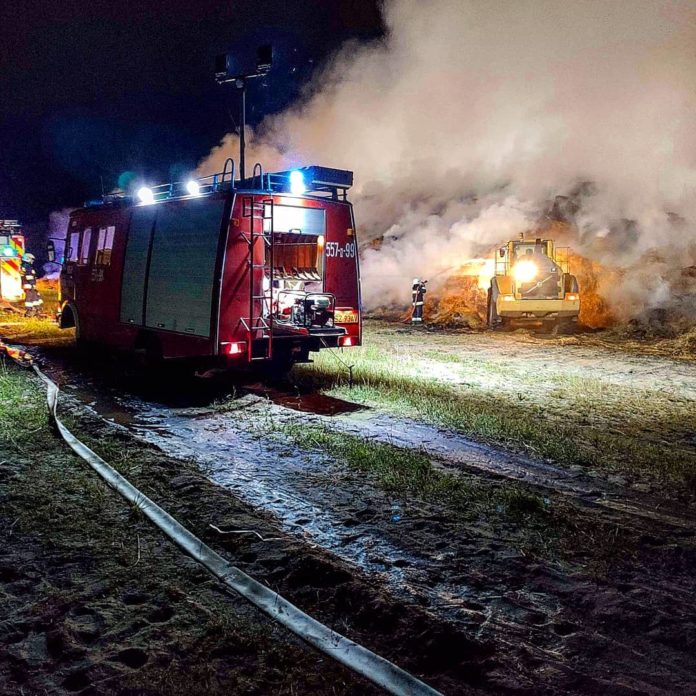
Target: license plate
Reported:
[(346, 316)]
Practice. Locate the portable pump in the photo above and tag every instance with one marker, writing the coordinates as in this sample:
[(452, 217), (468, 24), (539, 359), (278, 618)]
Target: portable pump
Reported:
[(307, 310)]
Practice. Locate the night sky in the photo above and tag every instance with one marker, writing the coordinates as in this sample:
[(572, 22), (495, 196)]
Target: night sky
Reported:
[(92, 89)]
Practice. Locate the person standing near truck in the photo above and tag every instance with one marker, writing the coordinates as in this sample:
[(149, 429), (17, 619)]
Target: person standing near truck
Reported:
[(32, 298)]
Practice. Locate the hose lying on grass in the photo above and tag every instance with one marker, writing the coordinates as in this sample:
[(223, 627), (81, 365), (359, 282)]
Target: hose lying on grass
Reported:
[(357, 658)]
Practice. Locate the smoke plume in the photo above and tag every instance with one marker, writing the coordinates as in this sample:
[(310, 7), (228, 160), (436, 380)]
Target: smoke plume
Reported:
[(469, 119)]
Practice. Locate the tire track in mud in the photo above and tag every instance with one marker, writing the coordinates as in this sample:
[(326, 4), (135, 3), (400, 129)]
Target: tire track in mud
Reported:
[(452, 450)]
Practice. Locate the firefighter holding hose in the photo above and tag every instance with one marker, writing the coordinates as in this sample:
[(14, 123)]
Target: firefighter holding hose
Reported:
[(32, 299), (418, 294)]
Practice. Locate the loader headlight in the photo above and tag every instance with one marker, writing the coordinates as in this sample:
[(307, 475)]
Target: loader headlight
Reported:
[(525, 271)]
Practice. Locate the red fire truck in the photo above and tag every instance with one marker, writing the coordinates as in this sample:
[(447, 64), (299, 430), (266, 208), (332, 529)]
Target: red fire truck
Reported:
[(264, 269)]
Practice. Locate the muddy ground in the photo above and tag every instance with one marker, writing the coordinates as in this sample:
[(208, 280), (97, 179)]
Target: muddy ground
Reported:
[(543, 577)]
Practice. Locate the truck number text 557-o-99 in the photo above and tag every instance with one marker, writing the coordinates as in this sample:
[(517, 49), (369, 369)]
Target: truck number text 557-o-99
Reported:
[(345, 251)]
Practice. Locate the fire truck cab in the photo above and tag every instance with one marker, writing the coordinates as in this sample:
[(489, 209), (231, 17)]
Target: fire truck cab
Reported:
[(11, 252), (259, 270)]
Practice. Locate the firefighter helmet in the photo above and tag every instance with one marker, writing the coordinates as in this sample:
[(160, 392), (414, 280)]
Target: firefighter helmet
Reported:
[(416, 281), (29, 258)]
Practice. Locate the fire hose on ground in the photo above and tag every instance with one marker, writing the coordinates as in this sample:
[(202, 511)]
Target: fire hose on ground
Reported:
[(354, 656)]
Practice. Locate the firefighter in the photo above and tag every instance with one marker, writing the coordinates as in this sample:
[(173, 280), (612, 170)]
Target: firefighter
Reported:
[(417, 293), (32, 299)]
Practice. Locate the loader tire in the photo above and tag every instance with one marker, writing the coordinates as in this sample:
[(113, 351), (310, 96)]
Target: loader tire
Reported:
[(566, 327), (570, 283), (495, 321)]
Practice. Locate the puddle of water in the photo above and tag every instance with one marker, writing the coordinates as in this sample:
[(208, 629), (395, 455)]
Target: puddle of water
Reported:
[(312, 402), (300, 490)]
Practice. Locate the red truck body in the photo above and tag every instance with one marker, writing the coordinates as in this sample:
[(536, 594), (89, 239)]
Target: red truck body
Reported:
[(237, 271)]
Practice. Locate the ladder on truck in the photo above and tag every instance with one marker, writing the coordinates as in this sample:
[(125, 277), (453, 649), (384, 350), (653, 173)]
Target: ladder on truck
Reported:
[(259, 239)]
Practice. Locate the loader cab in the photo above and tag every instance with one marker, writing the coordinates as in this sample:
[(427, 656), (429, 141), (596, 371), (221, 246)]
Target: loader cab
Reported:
[(528, 249)]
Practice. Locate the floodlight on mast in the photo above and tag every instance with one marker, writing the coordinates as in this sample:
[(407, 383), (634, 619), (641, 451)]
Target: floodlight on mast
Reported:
[(227, 69)]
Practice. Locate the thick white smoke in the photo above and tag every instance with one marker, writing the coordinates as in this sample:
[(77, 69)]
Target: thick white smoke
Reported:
[(470, 116)]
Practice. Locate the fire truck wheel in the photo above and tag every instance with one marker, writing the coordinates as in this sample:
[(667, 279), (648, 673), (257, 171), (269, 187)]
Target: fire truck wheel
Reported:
[(149, 350), (277, 369), (80, 340)]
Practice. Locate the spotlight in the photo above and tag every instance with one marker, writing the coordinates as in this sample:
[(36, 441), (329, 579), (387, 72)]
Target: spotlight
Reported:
[(193, 188), (525, 271), (146, 195)]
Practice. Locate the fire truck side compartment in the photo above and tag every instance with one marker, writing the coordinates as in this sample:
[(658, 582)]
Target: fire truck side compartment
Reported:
[(180, 286), (170, 265), (135, 265)]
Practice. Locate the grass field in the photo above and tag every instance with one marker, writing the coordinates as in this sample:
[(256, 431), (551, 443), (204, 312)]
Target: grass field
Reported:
[(611, 412), (535, 401), (532, 522)]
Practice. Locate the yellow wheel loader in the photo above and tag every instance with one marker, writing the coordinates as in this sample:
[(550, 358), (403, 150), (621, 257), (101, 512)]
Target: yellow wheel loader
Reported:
[(532, 286)]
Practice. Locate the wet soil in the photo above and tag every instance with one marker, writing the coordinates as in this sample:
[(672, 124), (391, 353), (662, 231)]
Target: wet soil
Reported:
[(465, 603), (95, 601)]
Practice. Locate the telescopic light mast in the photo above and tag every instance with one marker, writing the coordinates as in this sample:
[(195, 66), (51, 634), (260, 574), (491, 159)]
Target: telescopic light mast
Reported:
[(228, 69)]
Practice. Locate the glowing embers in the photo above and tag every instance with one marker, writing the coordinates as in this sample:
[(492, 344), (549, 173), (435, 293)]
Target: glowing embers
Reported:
[(482, 269), (525, 271), (297, 183), (146, 195)]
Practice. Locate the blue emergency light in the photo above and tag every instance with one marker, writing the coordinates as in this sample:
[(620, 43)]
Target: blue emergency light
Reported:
[(8, 251), (297, 183), (312, 179)]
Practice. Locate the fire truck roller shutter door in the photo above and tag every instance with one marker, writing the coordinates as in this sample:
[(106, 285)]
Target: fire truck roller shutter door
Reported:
[(182, 266), (135, 265)]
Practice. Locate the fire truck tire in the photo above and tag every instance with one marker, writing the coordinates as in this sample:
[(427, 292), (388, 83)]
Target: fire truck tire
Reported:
[(277, 369), (149, 349), (80, 340), (66, 320)]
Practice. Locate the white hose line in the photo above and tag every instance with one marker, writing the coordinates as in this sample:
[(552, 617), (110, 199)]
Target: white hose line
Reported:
[(361, 660)]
